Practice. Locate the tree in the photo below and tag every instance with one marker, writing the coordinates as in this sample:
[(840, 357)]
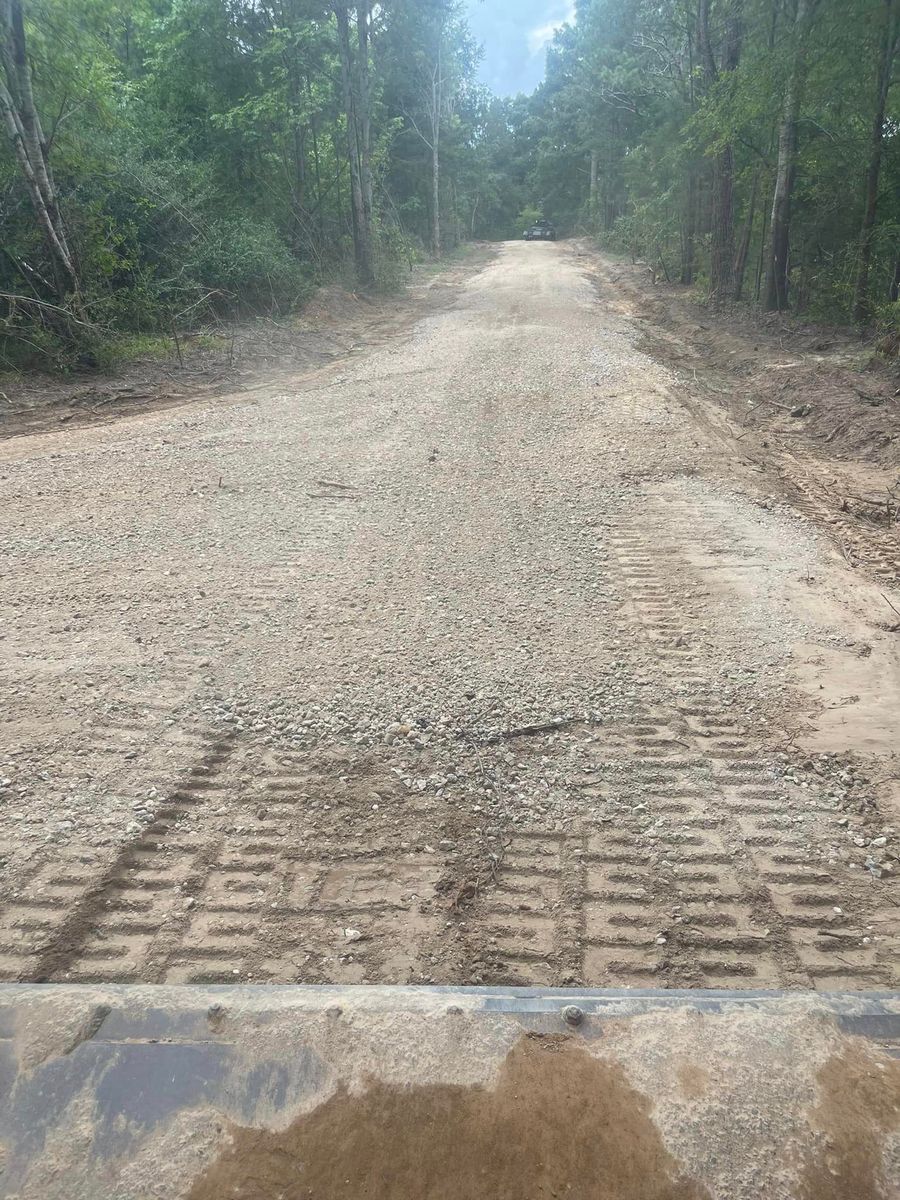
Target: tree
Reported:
[(777, 270), (211, 157), (356, 99), (424, 35), (883, 78), (32, 149), (722, 252)]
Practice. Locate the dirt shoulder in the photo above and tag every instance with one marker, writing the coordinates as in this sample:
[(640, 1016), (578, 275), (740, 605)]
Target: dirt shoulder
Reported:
[(815, 405), (228, 362)]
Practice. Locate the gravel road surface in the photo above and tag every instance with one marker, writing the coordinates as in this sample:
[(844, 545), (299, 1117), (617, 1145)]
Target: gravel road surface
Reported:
[(480, 658)]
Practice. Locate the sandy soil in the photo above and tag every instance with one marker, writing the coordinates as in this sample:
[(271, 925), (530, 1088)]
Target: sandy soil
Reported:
[(490, 654)]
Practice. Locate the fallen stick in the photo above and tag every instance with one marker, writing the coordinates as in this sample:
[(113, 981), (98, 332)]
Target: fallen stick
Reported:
[(774, 403), (471, 887), (331, 496), (345, 487), (891, 606), (530, 730), (875, 501)]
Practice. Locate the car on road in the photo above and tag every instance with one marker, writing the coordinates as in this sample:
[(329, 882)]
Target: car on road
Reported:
[(540, 231)]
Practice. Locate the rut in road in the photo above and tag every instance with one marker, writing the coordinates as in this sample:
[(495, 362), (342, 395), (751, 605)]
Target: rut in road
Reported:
[(474, 660)]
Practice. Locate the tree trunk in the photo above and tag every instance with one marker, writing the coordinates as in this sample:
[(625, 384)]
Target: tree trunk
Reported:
[(594, 195), (763, 246), (721, 222), (894, 290), (430, 91), (436, 104), (721, 247), (365, 109), (362, 234), (317, 170), (862, 304), (775, 297), (435, 200), (23, 127), (689, 229), (743, 250), (298, 130), (454, 213)]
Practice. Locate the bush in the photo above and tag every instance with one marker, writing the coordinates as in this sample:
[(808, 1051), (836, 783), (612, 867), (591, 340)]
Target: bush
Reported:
[(528, 216), (243, 261), (395, 254)]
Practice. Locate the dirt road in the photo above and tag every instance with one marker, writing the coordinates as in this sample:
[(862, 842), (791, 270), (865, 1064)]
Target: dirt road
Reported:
[(486, 657)]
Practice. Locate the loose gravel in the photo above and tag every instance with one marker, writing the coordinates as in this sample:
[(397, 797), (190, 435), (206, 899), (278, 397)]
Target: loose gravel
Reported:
[(472, 660)]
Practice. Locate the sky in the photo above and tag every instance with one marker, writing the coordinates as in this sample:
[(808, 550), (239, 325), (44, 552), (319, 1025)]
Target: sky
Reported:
[(515, 34)]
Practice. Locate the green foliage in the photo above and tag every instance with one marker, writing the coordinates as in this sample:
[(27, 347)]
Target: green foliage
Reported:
[(887, 319), (529, 215), (200, 153), (395, 255), (630, 85), (199, 149), (244, 263), (124, 348)]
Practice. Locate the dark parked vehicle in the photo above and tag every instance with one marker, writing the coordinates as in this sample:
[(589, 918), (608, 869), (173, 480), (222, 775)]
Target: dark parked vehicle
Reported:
[(540, 231)]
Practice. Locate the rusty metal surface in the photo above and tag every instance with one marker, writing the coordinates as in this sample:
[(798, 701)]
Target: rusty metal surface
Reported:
[(112, 1071)]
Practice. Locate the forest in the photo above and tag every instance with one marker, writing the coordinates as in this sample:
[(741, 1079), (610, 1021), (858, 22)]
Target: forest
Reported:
[(169, 161)]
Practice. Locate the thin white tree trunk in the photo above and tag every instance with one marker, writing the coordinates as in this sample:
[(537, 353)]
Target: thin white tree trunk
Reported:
[(365, 109), (23, 127), (594, 194), (436, 103)]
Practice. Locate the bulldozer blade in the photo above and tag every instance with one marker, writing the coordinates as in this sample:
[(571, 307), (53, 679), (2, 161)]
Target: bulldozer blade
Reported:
[(446, 1093)]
